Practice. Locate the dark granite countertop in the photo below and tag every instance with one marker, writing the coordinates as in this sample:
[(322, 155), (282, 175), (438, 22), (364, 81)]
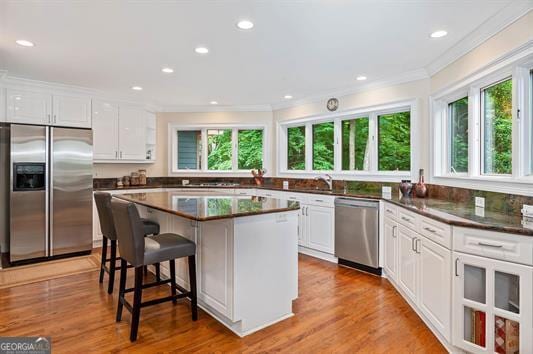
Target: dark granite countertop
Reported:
[(453, 213), (209, 207)]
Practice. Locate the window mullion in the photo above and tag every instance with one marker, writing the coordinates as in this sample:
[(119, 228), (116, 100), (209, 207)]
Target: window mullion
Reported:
[(474, 132), (373, 129), (234, 149), (308, 147), (204, 150), (337, 151)]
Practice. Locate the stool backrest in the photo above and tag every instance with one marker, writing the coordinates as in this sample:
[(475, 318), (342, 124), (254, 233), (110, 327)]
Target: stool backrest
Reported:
[(103, 206), (130, 232)]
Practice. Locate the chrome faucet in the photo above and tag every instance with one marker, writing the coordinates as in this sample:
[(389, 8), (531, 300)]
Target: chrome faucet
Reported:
[(327, 179)]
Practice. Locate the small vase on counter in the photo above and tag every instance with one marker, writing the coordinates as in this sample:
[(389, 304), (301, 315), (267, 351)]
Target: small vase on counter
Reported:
[(421, 189), (406, 187)]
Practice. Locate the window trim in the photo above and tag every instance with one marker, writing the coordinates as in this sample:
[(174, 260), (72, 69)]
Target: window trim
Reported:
[(372, 113), (173, 128), (516, 64)]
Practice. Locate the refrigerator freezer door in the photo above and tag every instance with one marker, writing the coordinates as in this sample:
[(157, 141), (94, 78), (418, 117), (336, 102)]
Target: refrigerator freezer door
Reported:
[(28, 208), (71, 190)]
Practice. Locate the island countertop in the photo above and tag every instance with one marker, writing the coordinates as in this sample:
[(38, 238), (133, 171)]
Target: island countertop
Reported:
[(204, 207)]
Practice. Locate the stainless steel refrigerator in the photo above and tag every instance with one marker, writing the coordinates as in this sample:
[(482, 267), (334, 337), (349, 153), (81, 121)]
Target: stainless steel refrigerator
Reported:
[(50, 198)]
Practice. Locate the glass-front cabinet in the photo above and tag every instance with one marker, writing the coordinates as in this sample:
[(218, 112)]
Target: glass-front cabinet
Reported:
[(492, 305)]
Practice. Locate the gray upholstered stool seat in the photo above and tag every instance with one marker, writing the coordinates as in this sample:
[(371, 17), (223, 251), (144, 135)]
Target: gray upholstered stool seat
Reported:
[(163, 247), (150, 227)]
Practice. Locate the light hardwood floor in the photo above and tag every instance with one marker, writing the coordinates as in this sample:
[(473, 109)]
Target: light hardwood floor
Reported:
[(338, 310)]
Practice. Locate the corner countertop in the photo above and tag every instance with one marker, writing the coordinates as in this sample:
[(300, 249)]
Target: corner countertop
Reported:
[(209, 207), (449, 212)]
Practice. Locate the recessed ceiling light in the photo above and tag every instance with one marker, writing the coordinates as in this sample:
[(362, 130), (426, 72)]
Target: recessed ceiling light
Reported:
[(24, 43), (213, 102), (287, 97), (361, 78), (245, 24), (167, 70), (201, 50), (137, 88), (438, 34)]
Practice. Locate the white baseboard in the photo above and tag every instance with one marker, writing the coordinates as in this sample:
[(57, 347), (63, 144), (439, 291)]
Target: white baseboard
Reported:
[(318, 254)]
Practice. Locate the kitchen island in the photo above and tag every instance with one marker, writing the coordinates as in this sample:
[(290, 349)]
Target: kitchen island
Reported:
[(247, 252)]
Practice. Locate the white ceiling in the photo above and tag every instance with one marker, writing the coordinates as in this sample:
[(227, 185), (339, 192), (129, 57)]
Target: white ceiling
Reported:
[(302, 48)]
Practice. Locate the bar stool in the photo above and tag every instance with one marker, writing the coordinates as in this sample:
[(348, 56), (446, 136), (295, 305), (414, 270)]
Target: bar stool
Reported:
[(140, 251), (103, 206)]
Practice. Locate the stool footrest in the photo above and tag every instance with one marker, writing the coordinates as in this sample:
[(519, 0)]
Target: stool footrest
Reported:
[(150, 285), (163, 299)]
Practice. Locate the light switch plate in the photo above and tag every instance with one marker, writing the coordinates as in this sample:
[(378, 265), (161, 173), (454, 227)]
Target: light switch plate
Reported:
[(480, 202), (527, 210)]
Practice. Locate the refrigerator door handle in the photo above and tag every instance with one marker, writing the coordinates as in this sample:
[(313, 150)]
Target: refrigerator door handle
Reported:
[(50, 211), (47, 198)]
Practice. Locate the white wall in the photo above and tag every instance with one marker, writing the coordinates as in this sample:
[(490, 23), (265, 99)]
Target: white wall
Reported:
[(160, 167)]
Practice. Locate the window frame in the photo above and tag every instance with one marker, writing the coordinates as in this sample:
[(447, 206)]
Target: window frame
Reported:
[(516, 65), (372, 112), (173, 128)]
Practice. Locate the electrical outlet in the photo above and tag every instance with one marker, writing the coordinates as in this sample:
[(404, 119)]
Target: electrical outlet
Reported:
[(285, 184), (527, 210), (184, 182), (386, 192), (480, 202), (480, 211)]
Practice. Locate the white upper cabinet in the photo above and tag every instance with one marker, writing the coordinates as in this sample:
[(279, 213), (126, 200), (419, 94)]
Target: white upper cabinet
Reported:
[(105, 131), (72, 111), (132, 133), (28, 107)]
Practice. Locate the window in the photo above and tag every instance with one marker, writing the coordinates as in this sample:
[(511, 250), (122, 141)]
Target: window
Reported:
[(189, 149), (323, 150), (355, 146), (216, 149), (296, 148), (497, 128), (219, 149), (250, 150), (373, 142), (394, 147), (458, 136)]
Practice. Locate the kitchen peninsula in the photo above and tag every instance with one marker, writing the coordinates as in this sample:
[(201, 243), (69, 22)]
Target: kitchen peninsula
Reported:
[(247, 255)]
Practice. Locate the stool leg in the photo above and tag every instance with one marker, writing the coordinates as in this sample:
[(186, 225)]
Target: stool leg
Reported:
[(122, 287), (137, 295), (172, 266), (192, 281), (104, 256), (112, 266), (157, 271)]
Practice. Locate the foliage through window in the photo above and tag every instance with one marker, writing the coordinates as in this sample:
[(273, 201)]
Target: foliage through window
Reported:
[(497, 128), (323, 146), (394, 147), (458, 135), (250, 149), (219, 149), (355, 147), (189, 149), (296, 148)]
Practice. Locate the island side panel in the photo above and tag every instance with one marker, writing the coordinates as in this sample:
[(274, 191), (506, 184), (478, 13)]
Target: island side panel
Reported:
[(266, 268)]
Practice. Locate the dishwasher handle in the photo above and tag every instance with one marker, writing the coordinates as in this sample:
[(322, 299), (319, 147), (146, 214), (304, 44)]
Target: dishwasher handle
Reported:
[(356, 203)]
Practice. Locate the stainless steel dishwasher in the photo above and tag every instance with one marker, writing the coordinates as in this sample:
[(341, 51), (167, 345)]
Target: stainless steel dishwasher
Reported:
[(357, 233)]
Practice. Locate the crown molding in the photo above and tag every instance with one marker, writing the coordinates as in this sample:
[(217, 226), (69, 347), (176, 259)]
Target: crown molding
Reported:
[(217, 108), (482, 33), (415, 75)]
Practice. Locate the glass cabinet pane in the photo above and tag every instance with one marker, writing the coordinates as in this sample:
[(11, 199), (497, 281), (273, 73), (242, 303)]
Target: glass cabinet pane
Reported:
[(475, 283), (506, 336), (507, 292), (475, 326)]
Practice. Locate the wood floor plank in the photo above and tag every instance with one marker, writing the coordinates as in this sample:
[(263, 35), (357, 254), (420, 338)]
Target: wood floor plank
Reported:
[(338, 310)]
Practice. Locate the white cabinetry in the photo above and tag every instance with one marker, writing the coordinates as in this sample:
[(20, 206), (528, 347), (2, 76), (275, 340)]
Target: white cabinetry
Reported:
[(320, 228), (132, 133), (47, 109), (408, 262), (390, 240), (105, 131)]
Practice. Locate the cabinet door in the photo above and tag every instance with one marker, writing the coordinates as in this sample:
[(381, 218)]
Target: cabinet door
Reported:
[(105, 131), (302, 226), (132, 133), (492, 307), (435, 285), (321, 224), (28, 107), (72, 111), (407, 262), (390, 239)]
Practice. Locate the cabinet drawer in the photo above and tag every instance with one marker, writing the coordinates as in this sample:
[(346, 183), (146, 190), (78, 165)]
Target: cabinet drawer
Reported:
[(390, 210), (321, 200), (497, 245), (436, 231), (299, 197), (408, 218)]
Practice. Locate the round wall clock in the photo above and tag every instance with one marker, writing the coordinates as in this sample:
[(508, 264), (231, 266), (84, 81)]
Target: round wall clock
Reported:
[(332, 104)]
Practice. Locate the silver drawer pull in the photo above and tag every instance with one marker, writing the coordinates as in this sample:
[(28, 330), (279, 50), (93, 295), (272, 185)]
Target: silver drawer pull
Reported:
[(430, 230), (406, 219), (318, 200), (389, 211), (292, 197), (489, 245)]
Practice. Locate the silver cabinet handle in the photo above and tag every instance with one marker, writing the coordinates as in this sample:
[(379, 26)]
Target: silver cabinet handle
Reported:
[(406, 219), (394, 231), (307, 211), (413, 244), (55, 118), (417, 242), (319, 200), (121, 154), (456, 267), (389, 211), (430, 230), (489, 245), (49, 118)]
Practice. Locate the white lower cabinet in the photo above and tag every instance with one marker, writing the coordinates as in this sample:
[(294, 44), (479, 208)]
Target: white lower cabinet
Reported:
[(390, 239), (492, 305), (321, 228), (408, 261)]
